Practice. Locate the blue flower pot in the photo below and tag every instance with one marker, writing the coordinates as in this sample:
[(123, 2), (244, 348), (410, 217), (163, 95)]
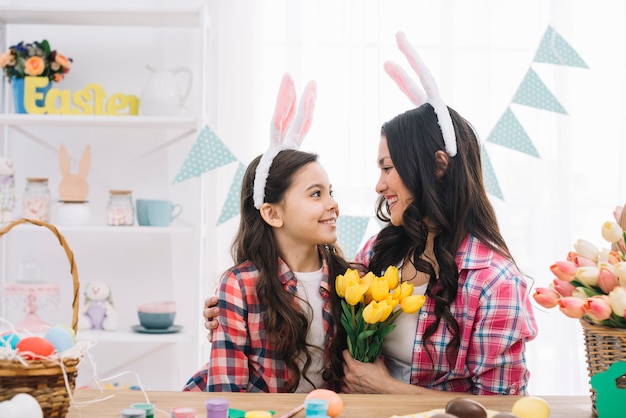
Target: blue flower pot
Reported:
[(18, 94)]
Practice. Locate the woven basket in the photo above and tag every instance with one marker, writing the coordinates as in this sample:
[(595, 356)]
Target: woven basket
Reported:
[(603, 347), (43, 379)]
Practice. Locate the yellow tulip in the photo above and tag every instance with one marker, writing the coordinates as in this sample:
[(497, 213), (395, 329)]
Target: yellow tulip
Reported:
[(386, 307), (392, 277), (355, 292), (402, 291), (413, 303), (372, 313), (380, 289), (368, 278), (341, 282)]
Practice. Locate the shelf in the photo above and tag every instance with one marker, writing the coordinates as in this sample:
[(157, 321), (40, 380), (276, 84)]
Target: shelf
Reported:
[(112, 229), (138, 122), (131, 337), (99, 15)]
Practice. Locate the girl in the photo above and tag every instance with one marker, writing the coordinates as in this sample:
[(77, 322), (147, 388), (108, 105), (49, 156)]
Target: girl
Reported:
[(277, 306)]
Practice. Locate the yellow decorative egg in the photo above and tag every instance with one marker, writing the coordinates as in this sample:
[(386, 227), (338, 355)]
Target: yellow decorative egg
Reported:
[(531, 407)]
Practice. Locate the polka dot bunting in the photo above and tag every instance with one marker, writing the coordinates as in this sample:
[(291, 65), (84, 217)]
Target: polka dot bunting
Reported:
[(555, 50), (532, 92), (232, 206), (207, 153), (509, 133)]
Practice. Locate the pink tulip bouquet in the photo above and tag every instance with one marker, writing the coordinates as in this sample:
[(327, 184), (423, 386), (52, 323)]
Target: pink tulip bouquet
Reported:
[(591, 282)]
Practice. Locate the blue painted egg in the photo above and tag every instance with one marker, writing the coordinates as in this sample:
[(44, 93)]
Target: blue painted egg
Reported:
[(60, 338), (9, 339)]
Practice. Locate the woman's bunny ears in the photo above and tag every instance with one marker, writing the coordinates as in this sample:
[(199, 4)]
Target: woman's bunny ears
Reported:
[(285, 133), (430, 94)]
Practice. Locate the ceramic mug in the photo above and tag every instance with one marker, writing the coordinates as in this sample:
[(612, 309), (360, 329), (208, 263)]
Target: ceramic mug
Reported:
[(152, 212)]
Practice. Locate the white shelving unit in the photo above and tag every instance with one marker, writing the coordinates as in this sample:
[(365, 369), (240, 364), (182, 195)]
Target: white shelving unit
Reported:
[(142, 152)]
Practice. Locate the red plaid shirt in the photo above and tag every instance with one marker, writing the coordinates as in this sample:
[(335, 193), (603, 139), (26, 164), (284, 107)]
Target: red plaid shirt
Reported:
[(494, 312), (242, 360)]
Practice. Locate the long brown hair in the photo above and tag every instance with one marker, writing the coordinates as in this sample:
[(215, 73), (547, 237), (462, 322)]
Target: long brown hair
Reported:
[(456, 204), (286, 328)]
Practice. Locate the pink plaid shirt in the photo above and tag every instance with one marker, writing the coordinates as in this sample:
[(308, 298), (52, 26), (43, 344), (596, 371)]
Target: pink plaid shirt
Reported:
[(496, 320), (242, 360)]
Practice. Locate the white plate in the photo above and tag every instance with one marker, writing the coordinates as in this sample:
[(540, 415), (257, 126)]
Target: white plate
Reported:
[(143, 330)]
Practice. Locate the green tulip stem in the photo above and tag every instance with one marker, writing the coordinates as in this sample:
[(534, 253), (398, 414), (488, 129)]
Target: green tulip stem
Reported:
[(353, 317)]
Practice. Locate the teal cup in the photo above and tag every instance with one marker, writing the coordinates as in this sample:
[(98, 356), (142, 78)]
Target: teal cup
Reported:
[(152, 212)]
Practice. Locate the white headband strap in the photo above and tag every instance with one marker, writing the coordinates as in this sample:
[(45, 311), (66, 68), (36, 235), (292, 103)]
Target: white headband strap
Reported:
[(283, 133), (418, 97)]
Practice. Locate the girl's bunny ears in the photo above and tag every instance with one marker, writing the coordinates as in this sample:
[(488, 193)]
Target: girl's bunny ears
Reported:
[(418, 97), (285, 133)]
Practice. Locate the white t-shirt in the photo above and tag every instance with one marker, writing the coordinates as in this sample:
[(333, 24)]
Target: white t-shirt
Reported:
[(309, 290), (398, 345)]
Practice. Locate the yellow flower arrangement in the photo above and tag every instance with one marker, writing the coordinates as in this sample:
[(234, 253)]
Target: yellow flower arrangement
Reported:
[(369, 309)]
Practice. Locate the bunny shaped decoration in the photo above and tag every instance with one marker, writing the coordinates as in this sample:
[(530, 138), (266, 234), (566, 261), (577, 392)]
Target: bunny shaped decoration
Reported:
[(285, 134), (74, 187), (7, 189)]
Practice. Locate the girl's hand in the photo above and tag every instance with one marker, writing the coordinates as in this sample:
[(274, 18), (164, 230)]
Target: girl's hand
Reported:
[(210, 313), (365, 377)]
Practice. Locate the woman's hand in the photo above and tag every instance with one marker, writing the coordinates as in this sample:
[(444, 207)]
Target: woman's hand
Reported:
[(210, 313), (365, 377)]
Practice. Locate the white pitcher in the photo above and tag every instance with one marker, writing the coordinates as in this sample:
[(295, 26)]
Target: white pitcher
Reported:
[(164, 94)]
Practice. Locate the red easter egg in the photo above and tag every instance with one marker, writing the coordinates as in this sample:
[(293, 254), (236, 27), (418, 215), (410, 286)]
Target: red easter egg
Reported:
[(32, 348)]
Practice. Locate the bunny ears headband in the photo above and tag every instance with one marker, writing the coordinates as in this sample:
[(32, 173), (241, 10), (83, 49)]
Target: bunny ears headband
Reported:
[(418, 97), (285, 131)]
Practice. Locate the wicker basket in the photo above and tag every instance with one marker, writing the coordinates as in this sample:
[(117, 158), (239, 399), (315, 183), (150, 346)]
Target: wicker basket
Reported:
[(43, 379), (603, 347)]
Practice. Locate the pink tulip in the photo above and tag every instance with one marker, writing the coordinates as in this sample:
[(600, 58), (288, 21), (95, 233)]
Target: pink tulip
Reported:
[(572, 307), (598, 308), (564, 270), (617, 213), (607, 280), (563, 287), (578, 260), (546, 297)]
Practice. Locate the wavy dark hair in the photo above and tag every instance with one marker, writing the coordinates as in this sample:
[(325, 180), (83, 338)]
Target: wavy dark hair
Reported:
[(455, 204), (286, 328)]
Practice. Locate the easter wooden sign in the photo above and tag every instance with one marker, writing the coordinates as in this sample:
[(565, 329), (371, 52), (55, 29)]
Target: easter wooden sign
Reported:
[(92, 100)]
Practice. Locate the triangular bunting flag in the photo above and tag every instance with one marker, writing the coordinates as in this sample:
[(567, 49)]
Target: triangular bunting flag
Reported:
[(206, 154), (553, 49), (350, 231), (489, 176), (509, 133), (532, 92), (232, 205)]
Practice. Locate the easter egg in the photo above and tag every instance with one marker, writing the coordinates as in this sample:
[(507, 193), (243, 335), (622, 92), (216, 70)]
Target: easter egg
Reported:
[(444, 415), (466, 408), (21, 405), (9, 339), (69, 330), (531, 407), (335, 403), (35, 347), (60, 338)]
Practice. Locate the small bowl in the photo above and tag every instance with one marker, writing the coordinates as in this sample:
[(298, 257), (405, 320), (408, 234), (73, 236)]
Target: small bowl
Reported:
[(165, 306), (160, 320)]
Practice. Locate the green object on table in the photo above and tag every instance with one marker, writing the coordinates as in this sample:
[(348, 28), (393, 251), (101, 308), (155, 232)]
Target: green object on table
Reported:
[(238, 413)]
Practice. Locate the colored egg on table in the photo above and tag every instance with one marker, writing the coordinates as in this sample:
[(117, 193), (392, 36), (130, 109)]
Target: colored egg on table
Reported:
[(531, 407), (335, 402), (35, 347), (60, 338), (9, 339), (466, 408)]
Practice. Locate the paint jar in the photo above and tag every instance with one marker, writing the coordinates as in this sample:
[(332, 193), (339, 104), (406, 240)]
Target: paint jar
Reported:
[(216, 408), (183, 412), (132, 413), (148, 407), (314, 407)]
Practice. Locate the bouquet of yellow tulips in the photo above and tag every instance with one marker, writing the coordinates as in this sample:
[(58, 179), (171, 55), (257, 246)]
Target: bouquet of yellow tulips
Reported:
[(369, 309)]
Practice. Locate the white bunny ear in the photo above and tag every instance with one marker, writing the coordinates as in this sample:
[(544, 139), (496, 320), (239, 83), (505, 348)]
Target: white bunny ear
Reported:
[(430, 87), (406, 84), (283, 133), (285, 107), (304, 117)]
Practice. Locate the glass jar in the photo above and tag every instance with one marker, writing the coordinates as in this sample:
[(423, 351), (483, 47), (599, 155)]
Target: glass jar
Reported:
[(37, 199), (120, 211)]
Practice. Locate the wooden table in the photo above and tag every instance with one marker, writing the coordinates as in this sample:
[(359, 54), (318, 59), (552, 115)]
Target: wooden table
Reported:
[(355, 406)]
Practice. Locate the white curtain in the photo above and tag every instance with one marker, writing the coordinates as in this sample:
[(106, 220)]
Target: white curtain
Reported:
[(479, 51)]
